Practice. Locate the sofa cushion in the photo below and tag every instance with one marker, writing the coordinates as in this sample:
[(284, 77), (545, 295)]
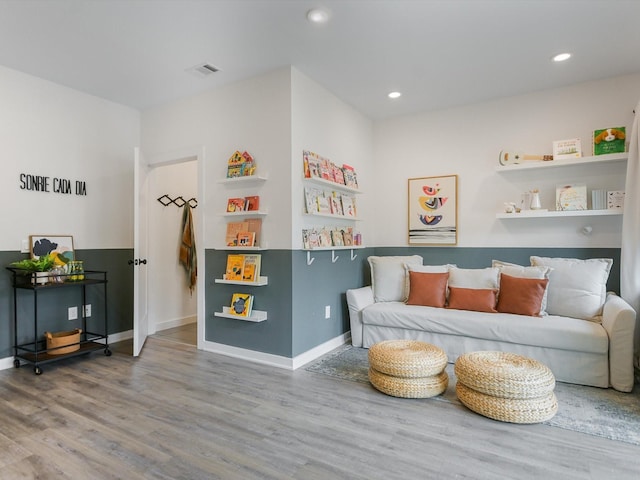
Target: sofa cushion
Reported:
[(525, 272), (551, 331), (428, 289), (389, 279), (577, 288), (522, 296), (486, 278), (475, 299)]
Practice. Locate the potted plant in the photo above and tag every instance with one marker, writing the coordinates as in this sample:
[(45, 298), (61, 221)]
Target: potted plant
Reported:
[(39, 268)]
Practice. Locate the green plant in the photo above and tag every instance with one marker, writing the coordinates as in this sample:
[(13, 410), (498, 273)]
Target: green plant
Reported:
[(42, 264)]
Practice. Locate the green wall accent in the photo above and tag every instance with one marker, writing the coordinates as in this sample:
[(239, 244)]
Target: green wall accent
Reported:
[(53, 304)]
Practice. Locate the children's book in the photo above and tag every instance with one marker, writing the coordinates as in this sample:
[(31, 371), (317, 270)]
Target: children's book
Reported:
[(324, 236), (251, 270), (348, 206), (310, 199), (337, 238), (338, 175), (350, 178), (246, 239), (252, 203), (254, 225), (313, 238), (233, 228), (571, 197), (566, 149), (609, 140), (235, 205), (324, 205), (235, 266), (347, 236), (336, 204), (241, 304)]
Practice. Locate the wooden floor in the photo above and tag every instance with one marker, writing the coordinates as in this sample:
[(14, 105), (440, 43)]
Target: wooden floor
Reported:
[(179, 413)]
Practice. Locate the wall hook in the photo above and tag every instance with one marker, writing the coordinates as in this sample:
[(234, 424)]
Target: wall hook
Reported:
[(334, 257), (310, 259)]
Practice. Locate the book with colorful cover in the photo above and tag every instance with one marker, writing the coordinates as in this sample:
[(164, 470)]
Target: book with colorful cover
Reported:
[(324, 205), (233, 228), (254, 225), (235, 205), (609, 140), (246, 239), (336, 204), (251, 270), (241, 304), (252, 203), (347, 236), (348, 206), (350, 177), (235, 267), (566, 149), (310, 199), (313, 239), (324, 237), (337, 238), (338, 175), (571, 197)]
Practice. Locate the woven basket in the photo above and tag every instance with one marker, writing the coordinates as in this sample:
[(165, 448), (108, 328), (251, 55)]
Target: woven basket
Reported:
[(417, 387), (530, 410), (407, 358), (504, 375), (60, 339)]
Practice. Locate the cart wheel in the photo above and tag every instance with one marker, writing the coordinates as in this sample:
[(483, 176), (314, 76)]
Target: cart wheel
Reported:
[(37, 370), (16, 363), (107, 352)]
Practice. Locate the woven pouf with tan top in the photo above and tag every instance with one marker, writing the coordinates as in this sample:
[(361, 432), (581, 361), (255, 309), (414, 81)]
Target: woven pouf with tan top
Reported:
[(506, 387), (408, 369)]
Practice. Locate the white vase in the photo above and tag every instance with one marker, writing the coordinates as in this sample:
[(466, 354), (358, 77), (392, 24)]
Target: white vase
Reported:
[(535, 201)]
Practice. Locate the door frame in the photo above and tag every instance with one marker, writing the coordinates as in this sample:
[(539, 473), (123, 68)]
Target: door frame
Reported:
[(174, 157)]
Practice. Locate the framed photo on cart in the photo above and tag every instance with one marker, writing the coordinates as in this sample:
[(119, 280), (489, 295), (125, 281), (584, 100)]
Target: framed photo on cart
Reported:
[(433, 210), (61, 245)]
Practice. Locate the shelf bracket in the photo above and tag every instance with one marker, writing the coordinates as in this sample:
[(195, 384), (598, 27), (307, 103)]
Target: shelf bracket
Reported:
[(310, 259), (353, 257), (334, 257)]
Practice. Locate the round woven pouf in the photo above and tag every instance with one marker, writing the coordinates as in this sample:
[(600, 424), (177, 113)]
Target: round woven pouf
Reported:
[(413, 387), (407, 358), (506, 387), (408, 369)]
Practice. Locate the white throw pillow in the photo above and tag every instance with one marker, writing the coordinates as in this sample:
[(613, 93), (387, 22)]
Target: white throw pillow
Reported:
[(479, 278), (389, 278), (577, 288), (427, 268), (520, 271)]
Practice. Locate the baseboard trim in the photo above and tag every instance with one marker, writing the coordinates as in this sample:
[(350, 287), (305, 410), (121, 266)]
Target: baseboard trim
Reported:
[(176, 322), (277, 360), (113, 338)]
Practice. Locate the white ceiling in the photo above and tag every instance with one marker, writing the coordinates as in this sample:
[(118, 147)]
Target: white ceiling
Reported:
[(437, 53)]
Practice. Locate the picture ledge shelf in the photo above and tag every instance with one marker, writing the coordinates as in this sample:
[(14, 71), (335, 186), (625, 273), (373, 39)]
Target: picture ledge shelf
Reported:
[(246, 180), (256, 315), (554, 213), (245, 213), (529, 165), (328, 183), (259, 283)]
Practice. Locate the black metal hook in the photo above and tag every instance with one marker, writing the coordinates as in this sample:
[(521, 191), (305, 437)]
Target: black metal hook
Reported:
[(179, 201)]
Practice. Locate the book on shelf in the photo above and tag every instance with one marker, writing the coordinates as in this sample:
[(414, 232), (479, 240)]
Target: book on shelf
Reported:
[(251, 268), (350, 178), (310, 199), (252, 203), (347, 236), (615, 200), (336, 204), (348, 205), (337, 238), (310, 238), (240, 165), (235, 205), (324, 237), (338, 175), (609, 140), (246, 239), (326, 171), (571, 197), (254, 225), (311, 164), (235, 267), (233, 228), (324, 205), (567, 149), (241, 304)]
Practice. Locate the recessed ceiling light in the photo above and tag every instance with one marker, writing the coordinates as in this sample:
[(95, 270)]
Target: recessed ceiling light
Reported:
[(394, 95), (561, 57), (317, 15)]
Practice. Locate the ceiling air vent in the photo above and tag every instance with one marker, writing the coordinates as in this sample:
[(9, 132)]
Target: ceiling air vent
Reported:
[(203, 70)]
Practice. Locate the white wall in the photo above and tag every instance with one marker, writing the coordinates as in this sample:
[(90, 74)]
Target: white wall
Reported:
[(54, 131), (327, 126), (170, 301), (467, 140), (253, 115)]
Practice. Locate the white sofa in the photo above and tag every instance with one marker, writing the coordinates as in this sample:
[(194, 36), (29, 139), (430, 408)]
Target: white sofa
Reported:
[(597, 351)]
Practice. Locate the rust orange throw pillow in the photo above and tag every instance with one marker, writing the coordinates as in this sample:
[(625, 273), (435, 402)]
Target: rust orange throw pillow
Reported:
[(476, 299), (522, 296), (427, 289)]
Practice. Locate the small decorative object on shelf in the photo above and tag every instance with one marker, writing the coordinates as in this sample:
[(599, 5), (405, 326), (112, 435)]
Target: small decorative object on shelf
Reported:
[(240, 165), (564, 149), (615, 200), (535, 200), (609, 140), (598, 199), (571, 197), (507, 157)]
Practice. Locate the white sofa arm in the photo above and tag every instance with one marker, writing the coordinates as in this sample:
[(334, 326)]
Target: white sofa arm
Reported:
[(619, 320), (357, 300)]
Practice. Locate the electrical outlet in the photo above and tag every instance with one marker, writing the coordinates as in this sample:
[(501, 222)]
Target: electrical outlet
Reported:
[(87, 311), (73, 313), (327, 311), (24, 246)]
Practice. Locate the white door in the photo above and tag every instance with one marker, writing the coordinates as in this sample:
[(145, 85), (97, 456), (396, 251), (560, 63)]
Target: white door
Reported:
[(139, 263)]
